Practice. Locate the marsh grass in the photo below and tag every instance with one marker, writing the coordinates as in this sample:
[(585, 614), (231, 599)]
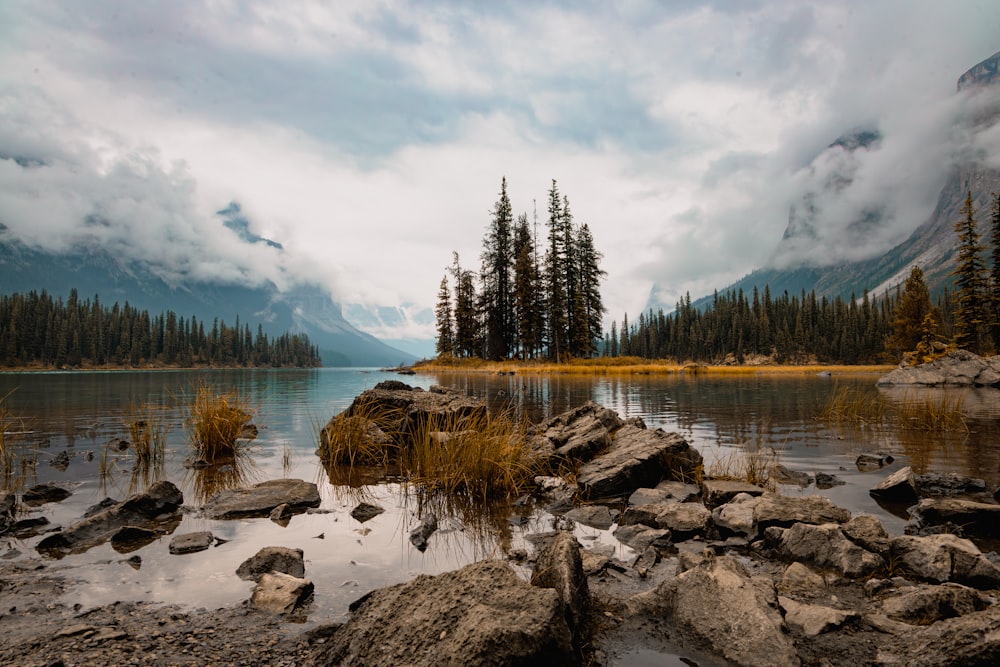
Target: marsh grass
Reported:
[(220, 423), (630, 366), (750, 464), (937, 414), (16, 461), (146, 429), (358, 437)]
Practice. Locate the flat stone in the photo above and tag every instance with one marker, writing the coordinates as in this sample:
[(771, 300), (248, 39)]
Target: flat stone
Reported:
[(975, 518), (826, 546), (899, 487), (595, 516), (929, 604), (366, 512), (814, 619), (720, 491), (45, 493), (684, 519), (260, 499), (773, 509), (639, 537), (801, 579), (637, 458), (190, 543), (942, 558), (273, 559)]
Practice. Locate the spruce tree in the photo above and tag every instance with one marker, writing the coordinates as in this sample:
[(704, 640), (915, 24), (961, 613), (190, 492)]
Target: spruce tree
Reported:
[(555, 285), (970, 285), (445, 328), (995, 273), (909, 315), (496, 296), (528, 307)]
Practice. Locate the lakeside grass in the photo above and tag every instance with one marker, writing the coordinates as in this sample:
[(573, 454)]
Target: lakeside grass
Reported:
[(220, 422), (914, 413), (634, 366)]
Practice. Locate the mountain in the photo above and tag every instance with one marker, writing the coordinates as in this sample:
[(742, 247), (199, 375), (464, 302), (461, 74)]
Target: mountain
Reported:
[(92, 270), (931, 245)]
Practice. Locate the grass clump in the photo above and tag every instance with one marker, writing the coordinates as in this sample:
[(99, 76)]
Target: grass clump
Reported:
[(945, 413), (928, 413), (751, 465), (482, 456), (146, 429), (854, 406), (356, 437), (220, 423)]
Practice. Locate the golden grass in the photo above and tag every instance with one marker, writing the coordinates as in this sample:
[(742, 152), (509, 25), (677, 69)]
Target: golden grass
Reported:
[(356, 437), (220, 423), (146, 428), (631, 366), (753, 465), (483, 456), (938, 414), (12, 431)]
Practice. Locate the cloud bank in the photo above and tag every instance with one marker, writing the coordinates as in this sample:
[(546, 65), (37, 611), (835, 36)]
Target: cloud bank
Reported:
[(369, 138)]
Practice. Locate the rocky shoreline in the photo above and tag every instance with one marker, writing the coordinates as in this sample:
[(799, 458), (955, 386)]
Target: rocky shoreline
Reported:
[(723, 573)]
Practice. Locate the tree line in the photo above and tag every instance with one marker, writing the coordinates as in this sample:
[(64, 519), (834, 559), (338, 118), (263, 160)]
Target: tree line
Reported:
[(35, 329), (520, 304)]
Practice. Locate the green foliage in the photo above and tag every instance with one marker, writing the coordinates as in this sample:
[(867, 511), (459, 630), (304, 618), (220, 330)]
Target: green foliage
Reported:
[(37, 329), (913, 316), (971, 317)]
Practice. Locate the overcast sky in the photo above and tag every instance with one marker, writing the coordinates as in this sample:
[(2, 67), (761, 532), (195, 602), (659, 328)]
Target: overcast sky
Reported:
[(370, 138)]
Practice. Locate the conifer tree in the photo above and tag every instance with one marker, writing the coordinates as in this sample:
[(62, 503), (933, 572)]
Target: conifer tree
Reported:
[(445, 328), (466, 341), (528, 308), (496, 295), (995, 273), (555, 276), (908, 319), (970, 285)]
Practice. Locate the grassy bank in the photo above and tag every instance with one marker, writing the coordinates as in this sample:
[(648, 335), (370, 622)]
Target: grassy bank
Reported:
[(633, 366)]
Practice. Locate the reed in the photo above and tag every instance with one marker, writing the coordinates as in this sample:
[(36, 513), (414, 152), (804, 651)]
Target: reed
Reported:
[(937, 413), (146, 428), (943, 413), (854, 406), (484, 456), (220, 423), (12, 430), (753, 465), (630, 366), (355, 437)]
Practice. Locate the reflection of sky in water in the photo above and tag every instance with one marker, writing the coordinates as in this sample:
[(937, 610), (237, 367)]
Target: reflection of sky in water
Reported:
[(79, 412)]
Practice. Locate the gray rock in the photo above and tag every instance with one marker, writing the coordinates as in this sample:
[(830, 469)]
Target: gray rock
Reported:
[(899, 487), (580, 433), (281, 515), (773, 509), (130, 538), (736, 516), (684, 520), (783, 475), (593, 562), (366, 512), (273, 559), (637, 458), (45, 493), (682, 492), (943, 558), (190, 543), (719, 606), (868, 532), (929, 604), (420, 534), (720, 491), (642, 514), (483, 614), (827, 481), (814, 619), (799, 578), (560, 567), (280, 593), (639, 537), (959, 368), (155, 509), (975, 518), (826, 546), (972, 639), (949, 484), (871, 462), (261, 499), (595, 516)]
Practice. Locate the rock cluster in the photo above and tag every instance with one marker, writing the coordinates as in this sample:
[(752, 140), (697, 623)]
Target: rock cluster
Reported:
[(959, 368)]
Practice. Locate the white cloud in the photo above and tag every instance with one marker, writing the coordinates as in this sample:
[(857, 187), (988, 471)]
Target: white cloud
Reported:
[(369, 138)]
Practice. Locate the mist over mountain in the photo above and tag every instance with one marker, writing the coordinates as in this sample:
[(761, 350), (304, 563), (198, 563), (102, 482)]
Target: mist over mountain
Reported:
[(873, 204)]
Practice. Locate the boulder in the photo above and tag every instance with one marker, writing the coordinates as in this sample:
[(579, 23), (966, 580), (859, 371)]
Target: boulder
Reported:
[(942, 558), (929, 604), (639, 537), (595, 516), (959, 368), (280, 593), (972, 639), (718, 606), (720, 491), (637, 458), (799, 578), (774, 509), (825, 546), (45, 493), (578, 434), (868, 533), (155, 509), (784, 475), (899, 487), (261, 499), (272, 559), (814, 619), (189, 543), (736, 517), (483, 614), (559, 566), (684, 520), (975, 518)]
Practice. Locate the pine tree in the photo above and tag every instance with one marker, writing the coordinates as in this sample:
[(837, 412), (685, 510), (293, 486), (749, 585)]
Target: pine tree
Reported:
[(995, 273), (555, 276), (970, 285), (496, 297), (589, 307), (445, 328), (528, 309), (466, 342), (908, 318)]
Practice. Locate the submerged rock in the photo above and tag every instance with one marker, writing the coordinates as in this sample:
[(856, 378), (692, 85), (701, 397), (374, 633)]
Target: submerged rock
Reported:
[(420, 534), (190, 543), (260, 499), (273, 559), (366, 512), (45, 493)]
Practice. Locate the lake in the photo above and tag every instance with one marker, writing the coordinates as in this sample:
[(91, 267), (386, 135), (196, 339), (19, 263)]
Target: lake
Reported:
[(79, 412)]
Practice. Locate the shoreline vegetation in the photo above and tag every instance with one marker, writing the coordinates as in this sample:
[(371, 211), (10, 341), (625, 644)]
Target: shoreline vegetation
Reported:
[(636, 366)]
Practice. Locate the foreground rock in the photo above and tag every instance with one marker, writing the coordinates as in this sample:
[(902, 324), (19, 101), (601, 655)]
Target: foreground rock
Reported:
[(637, 458), (718, 605), (280, 593), (959, 368), (483, 614), (260, 500), (156, 509), (273, 559)]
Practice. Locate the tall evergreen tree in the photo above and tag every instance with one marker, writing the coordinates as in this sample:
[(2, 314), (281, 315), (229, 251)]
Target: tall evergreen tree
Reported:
[(557, 318), (445, 326), (971, 318), (588, 307), (995, 273), (466, 342), (908, 319), (528, 308), (496, 277)]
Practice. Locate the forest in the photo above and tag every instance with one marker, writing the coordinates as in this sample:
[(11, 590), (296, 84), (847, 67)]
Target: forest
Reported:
[(38, 330)]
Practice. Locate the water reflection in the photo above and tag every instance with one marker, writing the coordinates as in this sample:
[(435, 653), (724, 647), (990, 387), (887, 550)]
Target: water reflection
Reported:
[(205, 479)]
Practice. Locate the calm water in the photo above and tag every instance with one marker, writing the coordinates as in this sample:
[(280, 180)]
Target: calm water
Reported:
[(79, 412)]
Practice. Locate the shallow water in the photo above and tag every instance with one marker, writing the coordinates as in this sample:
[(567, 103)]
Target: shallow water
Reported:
[(78, 412)]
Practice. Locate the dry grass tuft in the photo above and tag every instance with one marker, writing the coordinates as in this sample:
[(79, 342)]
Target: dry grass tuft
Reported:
[(939, 413), (750, 465), (220, 423), (854, 406), (146, 429), (356, 437)]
